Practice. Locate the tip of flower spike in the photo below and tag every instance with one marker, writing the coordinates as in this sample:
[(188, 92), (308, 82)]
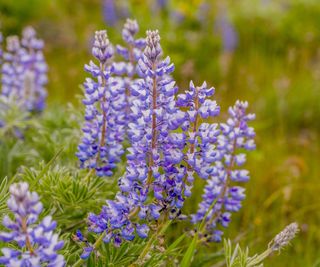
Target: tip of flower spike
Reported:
[(131, 26), (153, 48), (284, 237), (153, 37), (13, 43), (28, 32), (102, 49), (19, 189)]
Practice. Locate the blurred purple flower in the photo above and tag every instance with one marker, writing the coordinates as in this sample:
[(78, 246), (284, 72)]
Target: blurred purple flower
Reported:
[(1, 51), (109, 12), (24, 71), (227, 32), (113, 11)]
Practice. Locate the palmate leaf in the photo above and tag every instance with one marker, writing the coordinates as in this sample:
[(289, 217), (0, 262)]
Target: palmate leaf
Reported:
[(108, 255), (66, 195)]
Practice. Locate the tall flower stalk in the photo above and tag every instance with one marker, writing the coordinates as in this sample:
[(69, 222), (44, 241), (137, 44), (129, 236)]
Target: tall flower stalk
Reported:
[(24, 71), (103, 133), (201, 136), (222, 194), (1, 49), (128, 69), (12, 69), (155, 151), (35, 71)]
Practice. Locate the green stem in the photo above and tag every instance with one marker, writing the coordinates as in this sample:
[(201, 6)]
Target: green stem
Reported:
[(260, 258), (95, 246), (88, 176), (151, 241)]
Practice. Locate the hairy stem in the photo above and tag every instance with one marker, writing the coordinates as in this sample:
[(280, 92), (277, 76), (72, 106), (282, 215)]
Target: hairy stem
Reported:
[(95, 246), (25, 231), (104, 114), (154, 126), (158, 232)]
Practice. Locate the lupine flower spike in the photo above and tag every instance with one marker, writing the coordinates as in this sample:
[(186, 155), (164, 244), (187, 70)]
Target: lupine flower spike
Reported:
[(12, 70), (127, 70), (109, 12), (31, 243), (227, 32), (155, 152), (201, 136), (103, 131), (133, 50), (220, 196), (24, 72), (35, 76), (1, 51)]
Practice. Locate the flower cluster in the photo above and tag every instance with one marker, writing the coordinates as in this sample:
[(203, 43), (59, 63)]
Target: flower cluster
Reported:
[(171, 141), (103, 131), (154, 115), (220, 196), (35, 244), (24, 71)]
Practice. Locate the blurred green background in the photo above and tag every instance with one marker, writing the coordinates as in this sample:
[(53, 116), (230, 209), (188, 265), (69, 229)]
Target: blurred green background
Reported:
[(263, 51)]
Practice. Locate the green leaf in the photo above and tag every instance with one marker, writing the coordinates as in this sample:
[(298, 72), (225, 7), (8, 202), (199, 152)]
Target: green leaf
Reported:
[(187, 258)]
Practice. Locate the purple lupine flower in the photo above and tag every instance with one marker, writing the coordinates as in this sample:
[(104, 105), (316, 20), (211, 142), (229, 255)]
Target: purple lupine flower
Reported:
[(109, 12), (162, 3), (128, 69), (221, 196), (37, 244), (1, 51), (203, 12), (227, 32), (159, 5), (113, 11), (24, 72), (103, 130), (12, 69), (155, 152), (201, 137), (34, 93), (132, 52)]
